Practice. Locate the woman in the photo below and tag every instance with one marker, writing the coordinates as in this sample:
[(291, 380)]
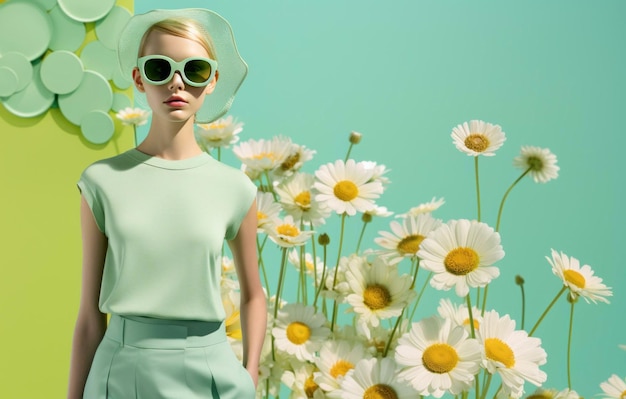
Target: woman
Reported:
[(153, 223)]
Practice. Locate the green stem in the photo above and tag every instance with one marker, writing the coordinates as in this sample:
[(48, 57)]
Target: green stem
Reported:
[(506, 194), (569, 345), (482, 309), (270, 186), (348, 153), (395, 327), (419, 296), (343, 223), (322, 280), (302, 274), (471, 316), (262, 264), (523, 305), (281, 279), (486, 386), (547, 310), (219, 153), (358, 244), (477, 185)]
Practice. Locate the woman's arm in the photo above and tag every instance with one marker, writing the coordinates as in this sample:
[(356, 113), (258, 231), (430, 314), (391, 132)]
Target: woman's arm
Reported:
[(90, 323), (253, 311)]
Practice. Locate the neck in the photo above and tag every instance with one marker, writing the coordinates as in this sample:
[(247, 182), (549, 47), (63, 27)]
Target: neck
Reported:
[(171, 140)]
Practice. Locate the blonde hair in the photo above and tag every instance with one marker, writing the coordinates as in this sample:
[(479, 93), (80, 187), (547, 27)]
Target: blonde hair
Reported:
[(181, 27)]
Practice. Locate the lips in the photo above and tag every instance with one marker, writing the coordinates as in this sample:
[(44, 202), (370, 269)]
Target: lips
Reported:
[(175, 101)]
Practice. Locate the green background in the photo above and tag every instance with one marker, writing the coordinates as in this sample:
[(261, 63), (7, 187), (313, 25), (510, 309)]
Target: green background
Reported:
[(403, 73)]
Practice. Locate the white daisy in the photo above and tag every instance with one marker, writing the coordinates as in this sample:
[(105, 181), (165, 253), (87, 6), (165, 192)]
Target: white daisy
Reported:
[(374, 378), (232, 322), (540, 161), (543, 393), (133, 116), (297, 156), (220, 133), (380, 211), (346, 187), (614, 387), (459, 314), (271, 373), (378, 171), (622, 347), (311, 268), (267, 210), (378, 292), (297, 197), (579, 280), (438, 357), (461, 254), (406, 238), (300, 381), (287, 234), (567, 394), (263, 155), (336, 286), (378, 339), (478, 138), (300, 331), (334, 361), (427, 207), (511, 353)]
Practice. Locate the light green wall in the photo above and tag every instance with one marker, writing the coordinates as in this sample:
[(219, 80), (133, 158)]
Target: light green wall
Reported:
[(40, 245)]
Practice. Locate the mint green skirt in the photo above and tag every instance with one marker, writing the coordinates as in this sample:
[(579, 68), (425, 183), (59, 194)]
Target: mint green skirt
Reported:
[(147, 358)]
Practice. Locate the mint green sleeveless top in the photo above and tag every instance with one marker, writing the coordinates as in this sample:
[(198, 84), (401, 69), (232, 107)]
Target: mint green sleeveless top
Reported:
[(166, 221)]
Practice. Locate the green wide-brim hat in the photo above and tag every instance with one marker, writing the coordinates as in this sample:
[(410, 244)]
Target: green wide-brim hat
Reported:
[(232, 68)]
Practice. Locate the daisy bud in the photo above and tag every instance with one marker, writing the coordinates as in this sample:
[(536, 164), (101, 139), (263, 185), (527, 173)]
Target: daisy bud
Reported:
[(355, 137), (573, 298), (519, 280), (366, 218), (323, 239)]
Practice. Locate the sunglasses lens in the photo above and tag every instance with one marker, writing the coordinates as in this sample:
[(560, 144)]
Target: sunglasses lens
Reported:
[(198, 71), (157, 70)]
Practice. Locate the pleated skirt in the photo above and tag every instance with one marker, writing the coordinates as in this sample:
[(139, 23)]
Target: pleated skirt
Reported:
[(147, 358)]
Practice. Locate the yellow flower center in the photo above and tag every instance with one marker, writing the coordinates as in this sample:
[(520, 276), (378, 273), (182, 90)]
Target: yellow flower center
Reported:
[(410, 244), (477, 142), (263, 155), (310, 386), (288, 230), (497, 350), (535, 163), (233, 326), (346, 190), (290, 162), (298, 333), (440, 358), (380, 391), (340, 368), (542, 395), (309, 266), (133, 115), (460, 261), (376, 296), (573, 277), (623, 395), (466, 322), (260, 215), (303, 200)]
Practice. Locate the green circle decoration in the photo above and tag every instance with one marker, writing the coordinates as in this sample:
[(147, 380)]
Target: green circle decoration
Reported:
[(8, 81), (109, 28), (95, 56), (97, 127), (93, 94), (20, 65), (34, 100), (86, 10), (68, 34), (120, 101), (25, 28), (61, 72), (40, 67)]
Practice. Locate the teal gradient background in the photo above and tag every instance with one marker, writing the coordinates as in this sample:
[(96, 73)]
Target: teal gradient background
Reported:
[(404, 73)]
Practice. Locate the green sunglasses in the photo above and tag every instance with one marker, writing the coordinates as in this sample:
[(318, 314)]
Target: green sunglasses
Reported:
[(159, 69)]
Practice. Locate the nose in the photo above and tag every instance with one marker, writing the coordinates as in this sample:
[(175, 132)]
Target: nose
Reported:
[(176, 82)]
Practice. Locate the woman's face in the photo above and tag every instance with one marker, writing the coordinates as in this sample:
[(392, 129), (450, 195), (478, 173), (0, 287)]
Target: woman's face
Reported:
[(174, 100)]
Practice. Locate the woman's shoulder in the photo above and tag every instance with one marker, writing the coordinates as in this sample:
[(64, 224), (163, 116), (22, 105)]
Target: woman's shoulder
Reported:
[(106, 164)]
